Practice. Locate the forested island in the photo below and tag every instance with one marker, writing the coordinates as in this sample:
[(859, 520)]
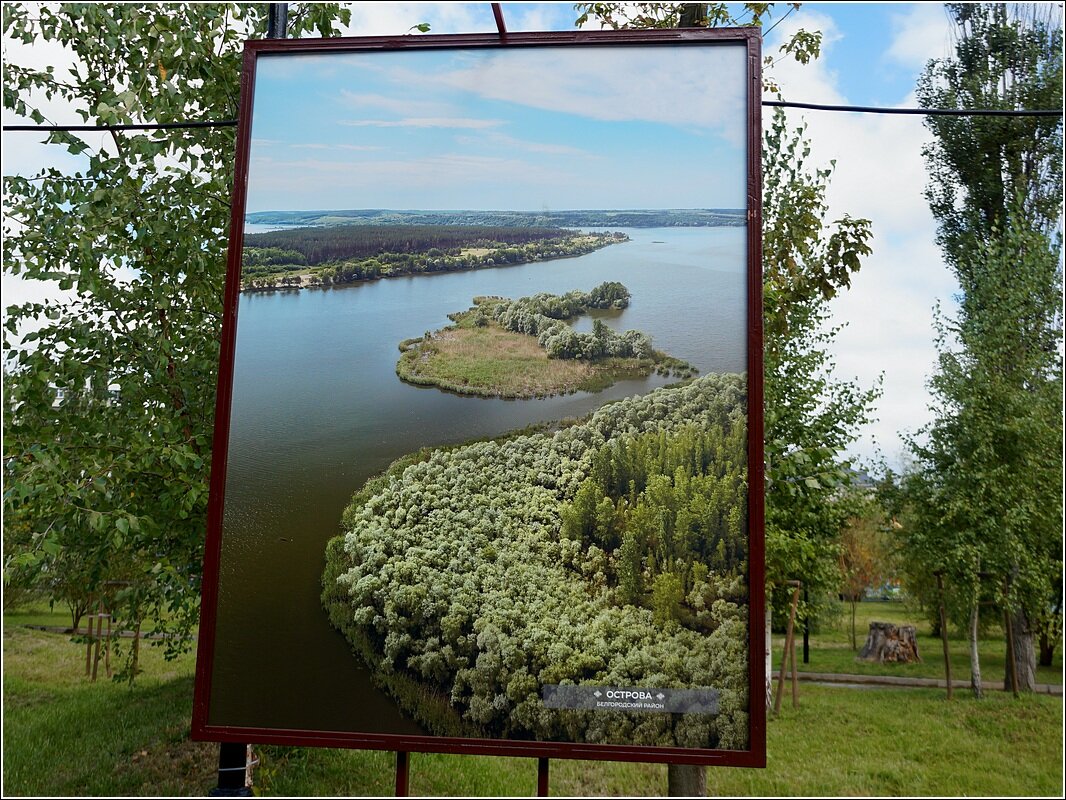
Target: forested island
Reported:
[(580, 218), (611, 551), (526, 348), (324, 256)]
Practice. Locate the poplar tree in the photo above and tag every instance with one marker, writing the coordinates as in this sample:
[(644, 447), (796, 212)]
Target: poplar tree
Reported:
[(988, 477)]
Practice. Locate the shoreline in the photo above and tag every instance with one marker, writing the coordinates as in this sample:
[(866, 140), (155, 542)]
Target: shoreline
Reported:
[(604, 240), (537, 354)]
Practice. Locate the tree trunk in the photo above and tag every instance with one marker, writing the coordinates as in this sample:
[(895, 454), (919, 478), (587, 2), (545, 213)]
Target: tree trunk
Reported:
[(1047, 650), (975, 662), (1050, 628), (854, 634), (887, 643), (769, 641), (693, 15), (686, 780), (1024, 654)]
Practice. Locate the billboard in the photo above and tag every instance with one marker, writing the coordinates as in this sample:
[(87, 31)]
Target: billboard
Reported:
[(487, 472)]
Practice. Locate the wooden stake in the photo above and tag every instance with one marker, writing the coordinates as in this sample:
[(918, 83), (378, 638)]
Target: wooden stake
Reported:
[(944, 633), (795, 677), (789, 647), (136, 648), (88, 645), (542, 777), (99, 635), (107, 648)]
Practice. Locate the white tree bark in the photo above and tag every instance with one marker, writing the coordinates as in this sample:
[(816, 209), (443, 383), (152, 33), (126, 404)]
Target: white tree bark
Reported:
[(975, 663)]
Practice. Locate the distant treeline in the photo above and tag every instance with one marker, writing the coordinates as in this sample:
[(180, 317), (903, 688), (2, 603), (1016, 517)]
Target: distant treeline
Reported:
[(322, 245), (587, 218)]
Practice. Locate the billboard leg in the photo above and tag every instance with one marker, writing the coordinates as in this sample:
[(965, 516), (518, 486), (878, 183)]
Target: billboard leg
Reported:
[(686, 780), (232, 771), (403, 764), (542, 777)]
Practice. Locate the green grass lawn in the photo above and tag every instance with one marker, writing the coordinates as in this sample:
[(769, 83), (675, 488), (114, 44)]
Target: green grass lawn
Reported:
[(39, 614), (66, 736), (830, 649)]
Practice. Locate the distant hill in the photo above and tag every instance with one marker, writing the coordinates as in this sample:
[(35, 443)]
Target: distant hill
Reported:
[(590, 218)]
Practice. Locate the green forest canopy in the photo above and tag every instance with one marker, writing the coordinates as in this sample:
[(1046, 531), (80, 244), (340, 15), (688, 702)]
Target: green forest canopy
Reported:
[(611, 552)]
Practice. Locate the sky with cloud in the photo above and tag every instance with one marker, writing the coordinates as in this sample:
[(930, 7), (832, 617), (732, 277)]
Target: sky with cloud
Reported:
[(523, 129), (872, 54)]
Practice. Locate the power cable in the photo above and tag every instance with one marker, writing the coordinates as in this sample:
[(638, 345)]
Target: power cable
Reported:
[(929, 112)]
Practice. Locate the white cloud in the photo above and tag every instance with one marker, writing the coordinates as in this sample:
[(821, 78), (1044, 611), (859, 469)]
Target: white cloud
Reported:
[(598, 86), (815, 82), (384, 184), (338, 147), (395, 105), (395, 19), (540, 17), (879, 175), (461, 123), (498, 139), (921, 34)]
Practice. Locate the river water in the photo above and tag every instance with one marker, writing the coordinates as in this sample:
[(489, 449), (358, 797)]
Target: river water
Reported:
[(317, 409)]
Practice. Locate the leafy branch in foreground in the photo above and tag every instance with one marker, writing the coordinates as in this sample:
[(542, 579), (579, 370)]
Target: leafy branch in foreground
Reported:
[(108, 390)]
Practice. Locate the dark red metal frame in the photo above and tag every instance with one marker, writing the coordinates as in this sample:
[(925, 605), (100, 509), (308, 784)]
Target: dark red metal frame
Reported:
[(755, 755)]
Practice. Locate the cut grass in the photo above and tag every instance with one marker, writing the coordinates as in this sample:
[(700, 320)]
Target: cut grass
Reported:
[(830, 649), (40, 614), (66, 736), (494, 362)]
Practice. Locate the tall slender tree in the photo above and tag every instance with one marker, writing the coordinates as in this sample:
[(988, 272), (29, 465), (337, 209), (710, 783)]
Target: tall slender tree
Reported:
[(989, 467)]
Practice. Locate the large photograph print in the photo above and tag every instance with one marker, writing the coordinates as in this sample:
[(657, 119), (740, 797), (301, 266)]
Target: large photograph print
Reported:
[(484, 438)]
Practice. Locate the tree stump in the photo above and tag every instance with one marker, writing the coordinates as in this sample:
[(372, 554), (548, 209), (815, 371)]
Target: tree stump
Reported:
[(888, 643)]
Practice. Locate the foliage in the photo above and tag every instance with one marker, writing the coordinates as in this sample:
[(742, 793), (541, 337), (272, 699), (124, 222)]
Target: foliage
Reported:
[(1006, 58), (803, 45), (986, 487), (865, 557), (319, 245), (810, 417), (542, 315), (675, 502), (108, 407), (344, 255), (476, 575)]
